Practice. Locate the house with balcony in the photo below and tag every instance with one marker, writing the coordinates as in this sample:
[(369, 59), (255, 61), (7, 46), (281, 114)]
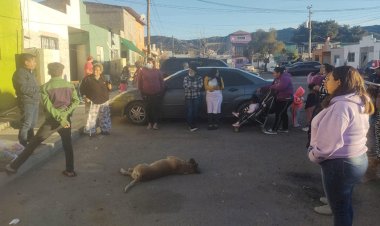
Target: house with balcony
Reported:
[(238, 45)]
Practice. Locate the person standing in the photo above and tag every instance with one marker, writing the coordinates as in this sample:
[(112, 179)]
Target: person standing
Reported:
[(213, 85), (151, 86), (338, 139), (28, 96), (124, 77), (96, 89), (59, 99), (88, 67), (192, 83), (283, 88)]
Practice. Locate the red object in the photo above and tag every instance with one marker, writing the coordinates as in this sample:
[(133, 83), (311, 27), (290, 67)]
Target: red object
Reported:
[(375, 64)]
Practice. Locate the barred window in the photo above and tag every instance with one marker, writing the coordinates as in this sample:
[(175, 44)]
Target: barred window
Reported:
[(351, 57), (49, 42)]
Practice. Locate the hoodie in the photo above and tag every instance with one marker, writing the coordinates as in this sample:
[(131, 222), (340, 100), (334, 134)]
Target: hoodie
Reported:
[(340, 130), (283, 86), (298, 98)]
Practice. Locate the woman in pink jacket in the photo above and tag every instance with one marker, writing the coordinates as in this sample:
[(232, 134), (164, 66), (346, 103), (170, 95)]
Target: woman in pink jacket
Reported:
[(338, 139)]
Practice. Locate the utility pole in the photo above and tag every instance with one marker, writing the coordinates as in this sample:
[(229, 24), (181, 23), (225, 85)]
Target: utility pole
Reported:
[(148, 25), (309, 26), (172, 45)]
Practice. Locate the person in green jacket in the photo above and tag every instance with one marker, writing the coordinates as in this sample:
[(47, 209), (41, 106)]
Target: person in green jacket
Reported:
[(59, 99)]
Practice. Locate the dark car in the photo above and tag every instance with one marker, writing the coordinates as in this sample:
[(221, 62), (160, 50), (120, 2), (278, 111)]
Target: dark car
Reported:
[(173, 64), (304, 68), (239, 87)]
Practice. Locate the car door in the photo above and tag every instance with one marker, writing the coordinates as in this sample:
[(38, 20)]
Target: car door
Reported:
[(235, 84), (173, 103)]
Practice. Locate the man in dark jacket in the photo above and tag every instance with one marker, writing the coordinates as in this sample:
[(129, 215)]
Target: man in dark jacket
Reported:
[(28, 96), (59, 99)]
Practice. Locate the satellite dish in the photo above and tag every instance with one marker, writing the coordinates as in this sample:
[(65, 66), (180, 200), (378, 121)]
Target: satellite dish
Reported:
[(143, 17)]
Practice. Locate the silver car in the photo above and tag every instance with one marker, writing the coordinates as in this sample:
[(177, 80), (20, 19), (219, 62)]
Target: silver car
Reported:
[(239, 87)]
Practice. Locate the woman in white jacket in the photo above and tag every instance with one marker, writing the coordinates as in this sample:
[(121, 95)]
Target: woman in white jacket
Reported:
[(338, 139)]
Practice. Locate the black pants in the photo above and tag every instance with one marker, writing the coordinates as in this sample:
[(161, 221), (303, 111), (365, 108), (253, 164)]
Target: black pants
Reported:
[(153, 107), (47, 129), (281, 111)]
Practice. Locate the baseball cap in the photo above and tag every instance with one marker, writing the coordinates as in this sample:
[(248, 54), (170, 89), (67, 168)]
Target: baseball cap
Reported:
[(375, 64)]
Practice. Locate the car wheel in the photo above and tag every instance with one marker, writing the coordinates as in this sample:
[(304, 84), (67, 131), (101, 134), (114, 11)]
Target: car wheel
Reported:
[(136, 113)]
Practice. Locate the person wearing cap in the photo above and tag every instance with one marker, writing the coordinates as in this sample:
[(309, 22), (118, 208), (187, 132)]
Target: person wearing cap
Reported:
[(28, 96), (151, 86), (192, 83), (59, 99)]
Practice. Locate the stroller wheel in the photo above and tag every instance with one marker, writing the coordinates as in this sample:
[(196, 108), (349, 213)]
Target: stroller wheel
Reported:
[(236, 129)]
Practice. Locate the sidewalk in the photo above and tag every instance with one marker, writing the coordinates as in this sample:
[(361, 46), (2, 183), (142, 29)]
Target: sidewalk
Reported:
[(51, 146), (9, 121)]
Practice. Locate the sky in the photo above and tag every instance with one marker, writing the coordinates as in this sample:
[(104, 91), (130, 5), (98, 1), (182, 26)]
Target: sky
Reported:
[(194, 19)]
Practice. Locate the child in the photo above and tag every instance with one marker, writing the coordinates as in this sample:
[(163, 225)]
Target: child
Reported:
[(311, 100), (253, 106), (297, 105), (124, 77)]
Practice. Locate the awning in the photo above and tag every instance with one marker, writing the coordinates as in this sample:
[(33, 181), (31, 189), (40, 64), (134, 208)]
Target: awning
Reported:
[(131, 46)]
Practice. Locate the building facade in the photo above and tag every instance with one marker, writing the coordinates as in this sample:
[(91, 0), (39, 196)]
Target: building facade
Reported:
[(238, 45), (10, 45)]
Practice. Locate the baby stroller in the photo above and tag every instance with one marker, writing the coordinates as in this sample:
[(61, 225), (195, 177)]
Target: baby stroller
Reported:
[(259, 115)]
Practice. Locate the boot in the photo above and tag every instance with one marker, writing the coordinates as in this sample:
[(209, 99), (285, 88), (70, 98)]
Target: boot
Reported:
[(216, 120), (371, 174), (210, 119)]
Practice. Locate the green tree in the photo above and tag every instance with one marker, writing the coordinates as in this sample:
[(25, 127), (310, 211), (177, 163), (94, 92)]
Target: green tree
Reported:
[(263, 44)]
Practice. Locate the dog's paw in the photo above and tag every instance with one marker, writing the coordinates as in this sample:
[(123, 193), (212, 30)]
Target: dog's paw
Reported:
[(123, 171)]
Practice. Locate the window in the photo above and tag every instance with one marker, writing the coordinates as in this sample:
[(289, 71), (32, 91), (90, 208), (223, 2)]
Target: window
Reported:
[(49, 43), (336, 59), (176, 82), (239, 51), (351, 57), (240, 37), (99, 53)]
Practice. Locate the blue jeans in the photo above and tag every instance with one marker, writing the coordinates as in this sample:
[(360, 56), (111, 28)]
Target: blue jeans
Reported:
[(192, 111), (339, 177), (29, 117)]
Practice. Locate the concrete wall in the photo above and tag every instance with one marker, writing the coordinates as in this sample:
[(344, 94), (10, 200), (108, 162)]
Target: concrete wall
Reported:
[(53, 24), (10, 44)]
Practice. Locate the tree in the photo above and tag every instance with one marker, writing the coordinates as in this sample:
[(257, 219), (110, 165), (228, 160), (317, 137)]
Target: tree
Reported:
[(264, 44)]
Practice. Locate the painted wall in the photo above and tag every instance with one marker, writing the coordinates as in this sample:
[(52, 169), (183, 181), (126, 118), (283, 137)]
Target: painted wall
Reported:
[(10, 44), (53, 24)]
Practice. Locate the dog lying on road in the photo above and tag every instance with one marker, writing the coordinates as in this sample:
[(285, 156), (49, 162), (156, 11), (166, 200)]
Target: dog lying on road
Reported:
[(160, 168)]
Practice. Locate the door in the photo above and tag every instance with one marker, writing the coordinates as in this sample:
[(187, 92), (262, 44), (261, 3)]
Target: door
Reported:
[(173, 104)]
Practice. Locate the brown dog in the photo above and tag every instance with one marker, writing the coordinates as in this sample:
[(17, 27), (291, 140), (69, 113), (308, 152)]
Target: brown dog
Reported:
[(160, 168)]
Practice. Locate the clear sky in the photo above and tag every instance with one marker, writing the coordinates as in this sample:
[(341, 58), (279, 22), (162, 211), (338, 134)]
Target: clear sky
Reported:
[(193, 19)]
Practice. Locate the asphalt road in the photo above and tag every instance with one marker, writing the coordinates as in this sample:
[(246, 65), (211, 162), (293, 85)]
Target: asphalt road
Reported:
[(247, 178)]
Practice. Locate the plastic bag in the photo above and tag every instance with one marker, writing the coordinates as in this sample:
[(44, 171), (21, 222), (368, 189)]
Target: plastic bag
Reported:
[(9, 150)]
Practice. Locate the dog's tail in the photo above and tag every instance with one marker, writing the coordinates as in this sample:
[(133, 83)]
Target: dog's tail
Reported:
[(129, 185)]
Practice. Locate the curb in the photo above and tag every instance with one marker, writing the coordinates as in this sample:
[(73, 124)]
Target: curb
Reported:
[(49, 148)]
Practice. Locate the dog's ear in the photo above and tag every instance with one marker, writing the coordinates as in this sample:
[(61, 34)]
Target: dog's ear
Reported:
[(192, 161)]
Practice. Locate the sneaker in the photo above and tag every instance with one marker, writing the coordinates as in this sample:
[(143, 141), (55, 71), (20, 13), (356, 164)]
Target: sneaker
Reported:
[(283, 131), (193, 129), (324, 210), (296, 125), (155, 126), (9, 169), (324, 200), (149, 126), (235, 114), (305, 129), (270, 132), (236, 124)]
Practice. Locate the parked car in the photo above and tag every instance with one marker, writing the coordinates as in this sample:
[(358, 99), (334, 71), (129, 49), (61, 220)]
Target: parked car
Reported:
[(239, 87), (303, 68), (250, 68), (173, 64)]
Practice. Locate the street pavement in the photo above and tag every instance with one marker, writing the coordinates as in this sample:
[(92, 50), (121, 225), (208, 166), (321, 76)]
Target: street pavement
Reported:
[(247, 178)]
